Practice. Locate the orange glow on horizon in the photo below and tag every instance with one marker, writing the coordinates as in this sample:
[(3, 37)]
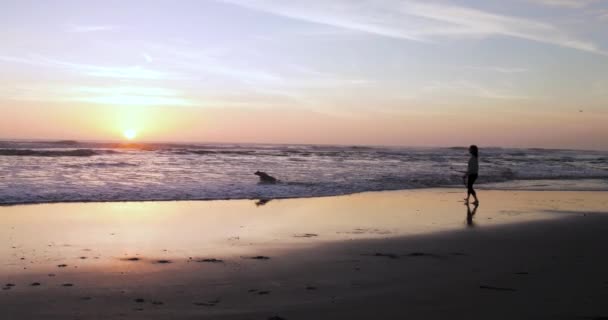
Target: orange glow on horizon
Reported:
[(285, 125)]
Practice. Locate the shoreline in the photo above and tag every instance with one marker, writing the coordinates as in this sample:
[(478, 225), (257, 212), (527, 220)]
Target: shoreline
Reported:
[(490, 186)]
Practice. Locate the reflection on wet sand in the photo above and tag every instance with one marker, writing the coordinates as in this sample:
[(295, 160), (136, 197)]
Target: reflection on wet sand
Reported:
[(262, 202), (40, 237), (471, 214)]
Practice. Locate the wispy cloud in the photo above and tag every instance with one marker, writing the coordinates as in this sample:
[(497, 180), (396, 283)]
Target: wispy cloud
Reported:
[(497, 69), (600, 88), (102, 95), (418, 21), (364, 16), (469, 88), (128, 96), (204, 64), (122, 72), (89, 28), (213, 63), (147, 57), (132, 72), (566, 3)]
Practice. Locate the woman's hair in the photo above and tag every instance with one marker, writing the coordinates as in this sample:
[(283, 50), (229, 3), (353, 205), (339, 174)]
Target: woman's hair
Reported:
[(474, 150)]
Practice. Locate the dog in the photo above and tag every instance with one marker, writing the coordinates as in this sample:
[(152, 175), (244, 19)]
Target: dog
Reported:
[(265, 177)]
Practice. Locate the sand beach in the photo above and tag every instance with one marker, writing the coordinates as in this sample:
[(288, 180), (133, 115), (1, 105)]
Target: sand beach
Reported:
[(417, 254)]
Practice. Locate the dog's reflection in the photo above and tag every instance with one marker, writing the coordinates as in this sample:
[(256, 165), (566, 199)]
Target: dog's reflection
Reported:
[(262, 202)]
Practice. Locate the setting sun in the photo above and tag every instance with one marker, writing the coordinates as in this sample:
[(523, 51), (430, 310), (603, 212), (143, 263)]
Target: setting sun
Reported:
[(130, 134)]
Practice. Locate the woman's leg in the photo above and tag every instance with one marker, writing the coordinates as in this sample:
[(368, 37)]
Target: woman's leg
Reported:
[(466, 182), (470, 190)]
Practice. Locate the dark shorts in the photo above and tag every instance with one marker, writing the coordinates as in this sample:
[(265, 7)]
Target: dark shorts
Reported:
[(471, 180)]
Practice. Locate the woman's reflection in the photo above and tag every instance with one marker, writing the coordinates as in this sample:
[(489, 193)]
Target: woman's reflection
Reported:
[(471, 213)]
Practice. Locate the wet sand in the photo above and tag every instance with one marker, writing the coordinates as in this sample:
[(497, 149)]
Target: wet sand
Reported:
[(389, 255)]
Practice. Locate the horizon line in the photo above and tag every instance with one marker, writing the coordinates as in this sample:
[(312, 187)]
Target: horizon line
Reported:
[(126, 143)]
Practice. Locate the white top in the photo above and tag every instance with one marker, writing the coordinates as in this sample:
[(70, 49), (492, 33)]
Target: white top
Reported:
[(473, 165)]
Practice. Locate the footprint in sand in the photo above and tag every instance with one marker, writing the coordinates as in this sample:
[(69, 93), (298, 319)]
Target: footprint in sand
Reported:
[(211, 260), (306, 235), (496, 288), (421, 254), (8, 286), (163, 261), (210, 303), (130, 259), (259, 292), (459, 254), (386, 255), (258, 258)]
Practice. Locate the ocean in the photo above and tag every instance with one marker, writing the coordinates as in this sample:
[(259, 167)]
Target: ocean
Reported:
[(68, 171)]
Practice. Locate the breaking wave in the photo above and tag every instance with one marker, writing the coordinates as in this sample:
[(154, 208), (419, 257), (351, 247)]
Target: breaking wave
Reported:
[(48, 153)]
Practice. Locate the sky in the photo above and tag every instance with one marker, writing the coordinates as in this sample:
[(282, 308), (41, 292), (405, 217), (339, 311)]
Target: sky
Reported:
[(516, 73)]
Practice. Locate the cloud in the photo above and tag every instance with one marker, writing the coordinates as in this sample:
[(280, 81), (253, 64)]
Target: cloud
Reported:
[(360, 16), (565, 3), (468, 88), (147, 57), (497, 69), (128, 96), (103, 95), (417, 21), (97, 28), (208, 63), (600, 88), (213, 64), (123, 72), (132, 72)]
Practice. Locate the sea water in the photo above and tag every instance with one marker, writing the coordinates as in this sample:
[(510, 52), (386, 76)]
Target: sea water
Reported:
[(62, 171)]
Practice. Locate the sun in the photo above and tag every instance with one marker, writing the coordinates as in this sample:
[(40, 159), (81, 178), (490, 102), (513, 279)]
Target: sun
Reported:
[(130, 134)]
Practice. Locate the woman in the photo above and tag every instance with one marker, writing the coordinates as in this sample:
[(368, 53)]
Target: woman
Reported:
[(472, 172)]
